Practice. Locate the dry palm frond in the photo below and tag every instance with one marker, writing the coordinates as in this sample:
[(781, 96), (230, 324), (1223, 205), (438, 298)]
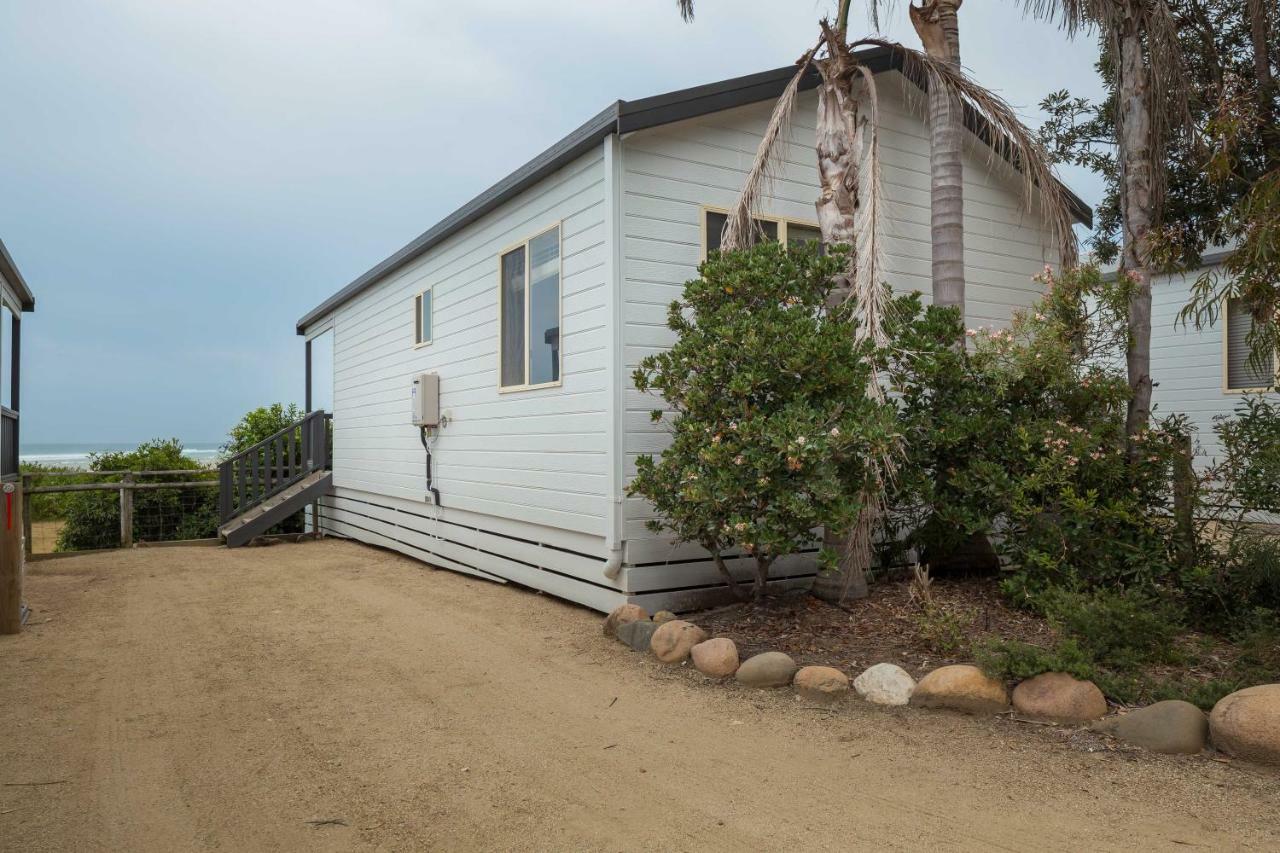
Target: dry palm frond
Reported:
[(994, 121), (921, 588), (686, 9), (741, 230)]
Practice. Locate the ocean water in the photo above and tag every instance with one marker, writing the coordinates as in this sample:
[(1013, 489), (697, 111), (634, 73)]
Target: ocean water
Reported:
[(76, 455)]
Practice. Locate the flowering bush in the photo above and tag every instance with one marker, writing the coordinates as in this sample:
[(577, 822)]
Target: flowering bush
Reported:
[(769, 420), (1021, 433)]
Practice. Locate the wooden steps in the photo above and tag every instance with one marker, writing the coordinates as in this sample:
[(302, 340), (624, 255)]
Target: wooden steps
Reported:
[(275, 509)]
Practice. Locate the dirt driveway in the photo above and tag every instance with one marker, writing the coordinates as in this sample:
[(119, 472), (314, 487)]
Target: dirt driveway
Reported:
[(327, 696)]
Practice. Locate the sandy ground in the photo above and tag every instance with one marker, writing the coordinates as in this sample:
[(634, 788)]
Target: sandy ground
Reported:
[(326, 696), (44, 536)]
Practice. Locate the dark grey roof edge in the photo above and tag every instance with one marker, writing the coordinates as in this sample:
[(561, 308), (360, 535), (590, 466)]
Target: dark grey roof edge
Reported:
[(9, 270), (566, 150), (624, 117)]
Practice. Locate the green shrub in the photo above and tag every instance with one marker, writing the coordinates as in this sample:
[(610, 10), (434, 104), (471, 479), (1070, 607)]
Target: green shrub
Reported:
[(1021, 433), (1014, 660), (260, 424), (772, 427), (93, 517), (1117, 630)]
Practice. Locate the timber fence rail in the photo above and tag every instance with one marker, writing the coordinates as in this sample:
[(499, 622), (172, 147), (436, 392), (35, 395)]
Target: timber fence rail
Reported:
[(117, 509)]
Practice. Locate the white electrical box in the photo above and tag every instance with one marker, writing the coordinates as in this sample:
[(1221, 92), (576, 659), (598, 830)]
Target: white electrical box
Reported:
[(424, 401)]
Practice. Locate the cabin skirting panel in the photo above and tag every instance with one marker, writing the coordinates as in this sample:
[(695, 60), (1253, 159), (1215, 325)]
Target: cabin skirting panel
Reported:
[(499, 550)]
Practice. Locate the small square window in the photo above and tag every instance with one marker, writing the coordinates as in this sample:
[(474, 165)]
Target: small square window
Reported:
[(422, 318)]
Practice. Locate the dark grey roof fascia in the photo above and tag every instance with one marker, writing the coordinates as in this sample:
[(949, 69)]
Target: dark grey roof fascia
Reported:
[(625, 117), (9, 271)]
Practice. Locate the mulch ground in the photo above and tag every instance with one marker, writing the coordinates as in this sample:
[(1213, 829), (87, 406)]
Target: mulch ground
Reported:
[(889, 626)]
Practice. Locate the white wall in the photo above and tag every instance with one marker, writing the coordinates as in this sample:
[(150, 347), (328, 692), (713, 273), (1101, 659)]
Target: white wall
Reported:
[(1186, 363), (670, 172), (537, 457)]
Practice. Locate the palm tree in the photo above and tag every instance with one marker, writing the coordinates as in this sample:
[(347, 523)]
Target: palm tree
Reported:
[(936, 23), (1140, 43), (849, 208)]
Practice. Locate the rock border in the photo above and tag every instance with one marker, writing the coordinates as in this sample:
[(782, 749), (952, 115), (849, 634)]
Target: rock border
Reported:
[(1171, 726)]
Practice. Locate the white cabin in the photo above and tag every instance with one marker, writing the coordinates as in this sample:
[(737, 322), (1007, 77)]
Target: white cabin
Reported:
[(1202, 373), (534, 303)]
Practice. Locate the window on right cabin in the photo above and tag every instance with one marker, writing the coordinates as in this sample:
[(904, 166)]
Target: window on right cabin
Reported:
[(1243, 372)]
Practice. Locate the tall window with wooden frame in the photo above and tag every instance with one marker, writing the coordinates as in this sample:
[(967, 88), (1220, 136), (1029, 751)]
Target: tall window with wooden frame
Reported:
[(422, 307), (793, 232), (1241, 371), (529, 313)]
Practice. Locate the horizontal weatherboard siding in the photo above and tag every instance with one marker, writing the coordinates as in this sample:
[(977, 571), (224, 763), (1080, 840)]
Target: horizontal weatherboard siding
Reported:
[(672, 173), (535, 456)]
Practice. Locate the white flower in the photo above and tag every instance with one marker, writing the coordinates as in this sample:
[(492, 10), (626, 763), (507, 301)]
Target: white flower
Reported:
[(835, 432), (738, 460), (801, 440), (971, 333)]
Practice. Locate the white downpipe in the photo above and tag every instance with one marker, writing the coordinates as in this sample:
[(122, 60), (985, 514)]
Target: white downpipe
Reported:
[(613, 290)]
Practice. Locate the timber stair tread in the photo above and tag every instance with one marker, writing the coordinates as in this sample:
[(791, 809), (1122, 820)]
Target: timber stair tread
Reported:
[(273, 510)]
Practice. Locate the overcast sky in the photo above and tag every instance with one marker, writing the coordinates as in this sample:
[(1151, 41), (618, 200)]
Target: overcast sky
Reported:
[(180, 181)]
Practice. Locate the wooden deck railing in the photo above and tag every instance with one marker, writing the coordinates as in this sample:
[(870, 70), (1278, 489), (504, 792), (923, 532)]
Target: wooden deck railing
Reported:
[(273, 464)]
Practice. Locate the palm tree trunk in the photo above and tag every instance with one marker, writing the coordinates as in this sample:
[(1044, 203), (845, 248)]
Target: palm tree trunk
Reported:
[(1137, 203), (837, 142), (938, 27)]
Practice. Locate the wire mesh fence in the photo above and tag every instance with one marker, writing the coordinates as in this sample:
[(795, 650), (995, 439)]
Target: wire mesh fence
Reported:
[(67, 511)]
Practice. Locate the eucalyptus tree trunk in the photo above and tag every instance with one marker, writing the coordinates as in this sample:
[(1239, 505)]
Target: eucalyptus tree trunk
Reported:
[(1137, 202), (937, 24), (1260, 36)]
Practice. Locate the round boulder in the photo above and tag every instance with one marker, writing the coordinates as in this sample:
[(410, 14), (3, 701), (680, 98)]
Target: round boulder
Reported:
[(1246, 724), (637, 635), (673, 640), (717, 658), (961, 687), (621, 615), (1058, 697), (821, 683), (767, 669), (885, 684), (1173, 727), (663, 616)]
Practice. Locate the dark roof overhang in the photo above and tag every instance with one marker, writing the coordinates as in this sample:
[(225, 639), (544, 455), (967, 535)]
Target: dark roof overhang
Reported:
[(9, 271)]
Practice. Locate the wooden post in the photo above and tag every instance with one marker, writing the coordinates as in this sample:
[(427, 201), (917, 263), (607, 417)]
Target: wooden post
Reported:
[(126, 511), (11, 562), (27, 541), (1184, 488)]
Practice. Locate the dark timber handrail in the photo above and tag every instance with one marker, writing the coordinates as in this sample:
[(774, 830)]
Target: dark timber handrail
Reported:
[(273, 465)]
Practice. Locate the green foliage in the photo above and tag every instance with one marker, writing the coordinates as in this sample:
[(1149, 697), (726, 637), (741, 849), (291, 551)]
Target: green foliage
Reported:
[(1022, 431), (93, 517), (50, 507), (1014, 660), (1250, 440), (259, 425), (1223, 184), (771, 428), (945, 631), (1116, 630)]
